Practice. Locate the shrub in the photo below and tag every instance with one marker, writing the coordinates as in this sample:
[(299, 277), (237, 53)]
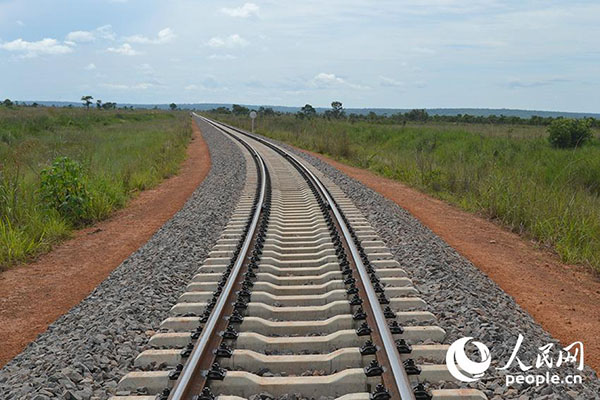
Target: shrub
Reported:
[(63, 188), (566, 133)]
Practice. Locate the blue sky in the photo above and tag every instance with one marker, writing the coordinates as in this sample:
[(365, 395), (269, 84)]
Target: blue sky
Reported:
[(541, 55)]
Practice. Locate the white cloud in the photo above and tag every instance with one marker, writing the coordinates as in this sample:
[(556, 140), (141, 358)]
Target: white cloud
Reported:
[(80, 36), (33, 49), (222, 57), (477, 45), (164, 36), (124, 49), (90, 67), (105, 32), (325, 80), (390, 82), (19, 22), (120, 86), (523, 84), (142, 86), (146, 69), (115, 86), (216, 42), (423, 50), (102, 32), (234, 40), (245, 11), (208, 83)]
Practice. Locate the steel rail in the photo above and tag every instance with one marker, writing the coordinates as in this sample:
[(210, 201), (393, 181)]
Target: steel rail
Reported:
[(189, 369), (401, 379)]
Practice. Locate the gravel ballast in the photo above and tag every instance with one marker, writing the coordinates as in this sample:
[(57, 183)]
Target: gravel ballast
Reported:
[(465, 301), (84, 353)]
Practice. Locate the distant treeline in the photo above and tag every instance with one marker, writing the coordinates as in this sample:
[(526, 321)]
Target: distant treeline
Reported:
[(416, 115)]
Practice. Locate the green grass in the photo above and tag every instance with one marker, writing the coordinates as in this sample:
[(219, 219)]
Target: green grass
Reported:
[(508, 173), (122, 153)]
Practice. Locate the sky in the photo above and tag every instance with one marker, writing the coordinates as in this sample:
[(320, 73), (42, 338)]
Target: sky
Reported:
[(541, 55)]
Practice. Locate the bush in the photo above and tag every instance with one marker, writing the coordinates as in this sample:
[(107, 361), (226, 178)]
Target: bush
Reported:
[(567, 133), (63, 188)]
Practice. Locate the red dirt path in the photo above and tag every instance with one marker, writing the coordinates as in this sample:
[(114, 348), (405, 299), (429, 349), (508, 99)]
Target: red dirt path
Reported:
[(564, 299), (34, 295)]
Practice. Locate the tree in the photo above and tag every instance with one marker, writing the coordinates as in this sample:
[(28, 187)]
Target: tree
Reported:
[(98, 104), (87, 101), (239, 110), (173, 106), (7, 103), (266, 111), (566, 132), (417, 115), (109, 105), (221, 110), (337, 111), (308, 111)]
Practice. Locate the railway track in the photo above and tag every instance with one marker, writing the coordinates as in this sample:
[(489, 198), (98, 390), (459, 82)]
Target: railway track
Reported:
[(299, 298)]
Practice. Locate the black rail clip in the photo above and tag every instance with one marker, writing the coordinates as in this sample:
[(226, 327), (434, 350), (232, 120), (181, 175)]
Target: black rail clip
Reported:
[(421, 393), (187, 350), (383, 299), (205, 316), (364, 329), (368, 348), (224, 351), (240, 304), (380, 393), (359, 315), (373, 369), (389, 313), (352, 289), (216, 372), (196, 333), (395, 328), (236, 317), (230, 333), (174, 375), (164, 395), (205, 395), (403, 347), (411, 368)]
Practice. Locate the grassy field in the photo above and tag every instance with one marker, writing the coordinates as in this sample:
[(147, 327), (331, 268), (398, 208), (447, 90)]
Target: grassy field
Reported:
[(116, 153), (508, 173)]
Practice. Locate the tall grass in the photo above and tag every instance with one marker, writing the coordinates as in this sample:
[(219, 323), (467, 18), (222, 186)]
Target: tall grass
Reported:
[(122, 152), (508, 173)]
